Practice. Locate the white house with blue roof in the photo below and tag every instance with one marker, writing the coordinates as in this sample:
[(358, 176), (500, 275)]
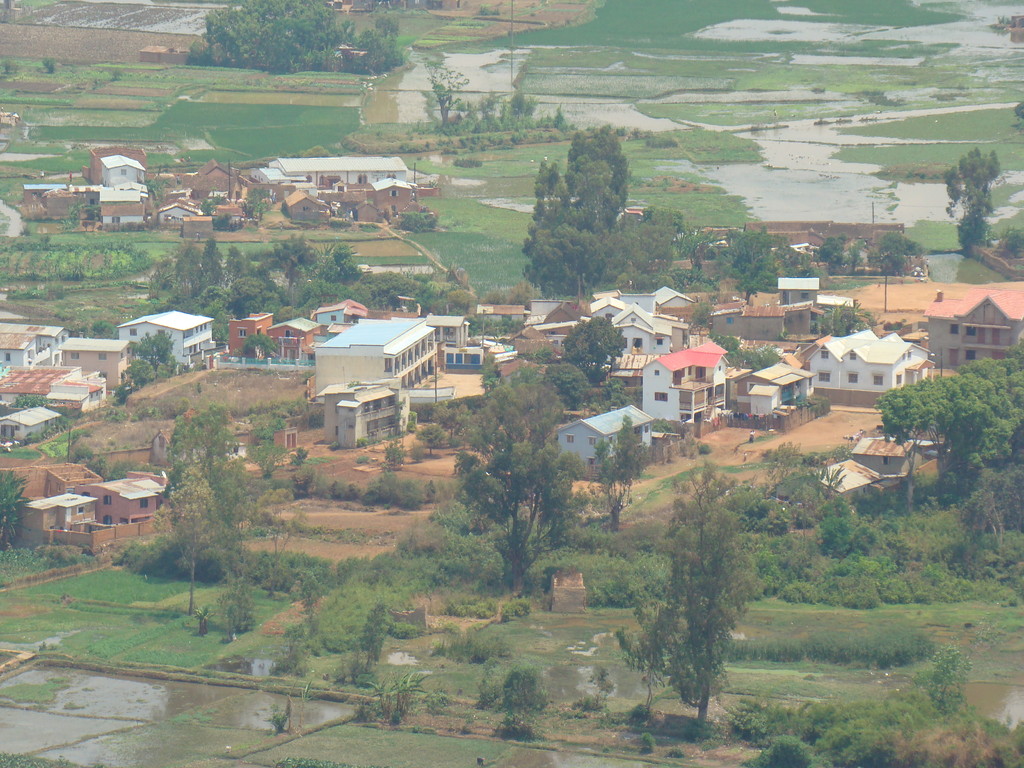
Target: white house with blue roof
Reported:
[(374, 350), (582, 437)]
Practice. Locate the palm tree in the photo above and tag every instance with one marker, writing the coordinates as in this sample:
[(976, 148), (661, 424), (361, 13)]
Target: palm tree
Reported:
[(203, 614), (11, 502)]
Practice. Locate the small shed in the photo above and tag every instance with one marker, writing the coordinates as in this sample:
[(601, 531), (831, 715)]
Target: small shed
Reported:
[(568, 592)]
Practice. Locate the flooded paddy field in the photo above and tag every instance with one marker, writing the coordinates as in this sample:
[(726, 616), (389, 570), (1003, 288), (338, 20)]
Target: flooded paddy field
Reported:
[(141, 18)]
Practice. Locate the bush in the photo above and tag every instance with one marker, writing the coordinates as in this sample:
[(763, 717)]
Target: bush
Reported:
[(785, 752), (473, 647), (647, 743), (481, 609), (515, 609), (418, 222), (661, 141), (703, 449), (893, 647), (402, 630), (390, 490), (467, 162)]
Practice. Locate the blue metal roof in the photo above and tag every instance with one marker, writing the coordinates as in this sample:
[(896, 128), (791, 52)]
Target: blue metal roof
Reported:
[(371, 334), (611, 422), (43, 186)]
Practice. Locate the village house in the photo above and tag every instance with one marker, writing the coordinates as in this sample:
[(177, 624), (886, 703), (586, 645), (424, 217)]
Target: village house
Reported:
[(66, 387), (369, 412), (762, 323), (54, 479), (66, 512), (344, 312), (163, 54), (28, 345), (133, 499), (302, 206), (26, 423), (373, 350), (686, 386), (117, 215), (192, 335), (107, 357), (798, 290), (855, 370), (239, 330), (294, 338), (119, 169), (174, 212), (583, 436), (213, 179), (331, 172), (451, 331), (761, 393), (816, 232), (882, 456), (644, 333), (93, 173), (985, 323)]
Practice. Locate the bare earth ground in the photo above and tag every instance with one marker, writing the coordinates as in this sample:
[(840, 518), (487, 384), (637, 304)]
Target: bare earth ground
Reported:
[(909, 300), (88, 46)]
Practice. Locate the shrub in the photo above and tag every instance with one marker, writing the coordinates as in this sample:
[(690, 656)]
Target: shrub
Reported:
[(703, 449), (403, 630), (393, 491), (661, 141), (515, 609), (481, 609), (647, 743), (893, 647), (418, 222), (472, 647), (785, 752), (467, 162), (437, 702)]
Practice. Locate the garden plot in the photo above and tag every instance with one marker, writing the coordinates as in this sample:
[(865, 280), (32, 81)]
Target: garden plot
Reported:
[(140, 18)]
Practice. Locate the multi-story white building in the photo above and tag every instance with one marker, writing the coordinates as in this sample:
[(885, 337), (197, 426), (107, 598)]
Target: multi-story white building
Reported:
[(856, 369), (27, 345), (644, 333), (192, 334), (378, 349), (686, 386), (118, 170), (330, 172)]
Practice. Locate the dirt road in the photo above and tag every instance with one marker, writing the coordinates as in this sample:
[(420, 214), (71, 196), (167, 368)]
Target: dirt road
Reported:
[(909, 300)]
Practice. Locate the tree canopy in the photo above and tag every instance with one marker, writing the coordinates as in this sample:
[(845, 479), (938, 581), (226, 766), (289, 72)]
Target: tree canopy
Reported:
[(969, 185)]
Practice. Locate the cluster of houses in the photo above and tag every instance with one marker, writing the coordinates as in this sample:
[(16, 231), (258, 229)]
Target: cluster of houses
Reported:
[(69, 504), (309, 189)]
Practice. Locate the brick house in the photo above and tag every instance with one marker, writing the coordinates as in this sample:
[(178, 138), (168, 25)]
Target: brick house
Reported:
[(301, 206), (241, 329), (94, 171), (983, 324), (294, 338), (133, 499)]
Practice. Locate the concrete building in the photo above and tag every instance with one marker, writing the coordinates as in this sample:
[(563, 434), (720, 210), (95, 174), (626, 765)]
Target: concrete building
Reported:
[(763, 392), (26, 423), (107, 357), (371, 412), (294, 338), (133, 499), (347, 311), (798, 290), (882, 456), (450, 331), (66, 387), (302, 206), (765, 323), (983, 324), (28, 345), (686, 386), (330, 172), (644, 333), (66, 512), (119, 169), (191, 334), (93, 173), (175, 212), (854, 370), (374, 350), (582, 437), (241, 329)]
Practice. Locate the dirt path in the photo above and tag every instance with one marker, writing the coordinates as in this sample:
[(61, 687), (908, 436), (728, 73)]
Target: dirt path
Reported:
[(14, 225), (908, 300)]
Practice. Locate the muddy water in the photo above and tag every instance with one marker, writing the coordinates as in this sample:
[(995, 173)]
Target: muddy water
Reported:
[(566, 683), (23, 730), (1000, 702)]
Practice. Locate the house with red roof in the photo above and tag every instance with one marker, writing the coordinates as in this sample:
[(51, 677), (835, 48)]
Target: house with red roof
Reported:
[(983, 324), (686, 386)]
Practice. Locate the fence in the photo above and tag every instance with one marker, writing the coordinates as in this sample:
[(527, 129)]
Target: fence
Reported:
[(99, 536), (270, 364), (777, 421)]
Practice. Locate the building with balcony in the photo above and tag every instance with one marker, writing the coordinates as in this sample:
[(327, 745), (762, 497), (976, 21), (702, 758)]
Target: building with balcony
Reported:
[(28, 345), (403, 350), (855, 370), (66, 512), (294, 338), (239, 330), (192, 335), (983, 324), (686, 386), (357, 413)]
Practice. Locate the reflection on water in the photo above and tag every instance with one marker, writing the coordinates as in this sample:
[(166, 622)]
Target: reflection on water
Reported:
[(1004, 703)]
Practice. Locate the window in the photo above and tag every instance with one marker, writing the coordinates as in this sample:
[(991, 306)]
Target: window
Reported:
[(657, 372), (824, 354), (394, 193), (876, 380), (661, 397), (387, 364), (885, 460), (899, 379), (74, 355), (242, 333), (970, 330), (954, 329), (729, 320), (852, 378), (133, 331), (824, 378), (592, 440), (660, 341), (143, 503), (7, 357), (971, 354), (570, 438), (103, 356), (107, 501)]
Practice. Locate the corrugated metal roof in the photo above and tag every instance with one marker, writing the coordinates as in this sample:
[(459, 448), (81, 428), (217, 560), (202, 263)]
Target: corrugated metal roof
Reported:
[(300, 165), (385, 333), (175, 320), (878, 446), (30, 417), (799, 283), (611, 422)]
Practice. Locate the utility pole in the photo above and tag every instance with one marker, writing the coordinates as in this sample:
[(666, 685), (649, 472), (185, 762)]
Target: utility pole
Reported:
[(872, 211), (885, 301), (512, 46)]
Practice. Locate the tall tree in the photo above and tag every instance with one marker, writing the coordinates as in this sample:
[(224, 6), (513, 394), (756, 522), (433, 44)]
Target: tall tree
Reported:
[(592, 346), (445, 86), (191, 526), (712, 580), (620, 463), (568, 240), (293, 257), (753, 261), (893, 253), (516, 479), (156, 349), (11, 502), (969, 185)]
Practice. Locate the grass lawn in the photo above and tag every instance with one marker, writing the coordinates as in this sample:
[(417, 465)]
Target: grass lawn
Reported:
[(490, 262), (935, 235), (971, 271), (985, 125)]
